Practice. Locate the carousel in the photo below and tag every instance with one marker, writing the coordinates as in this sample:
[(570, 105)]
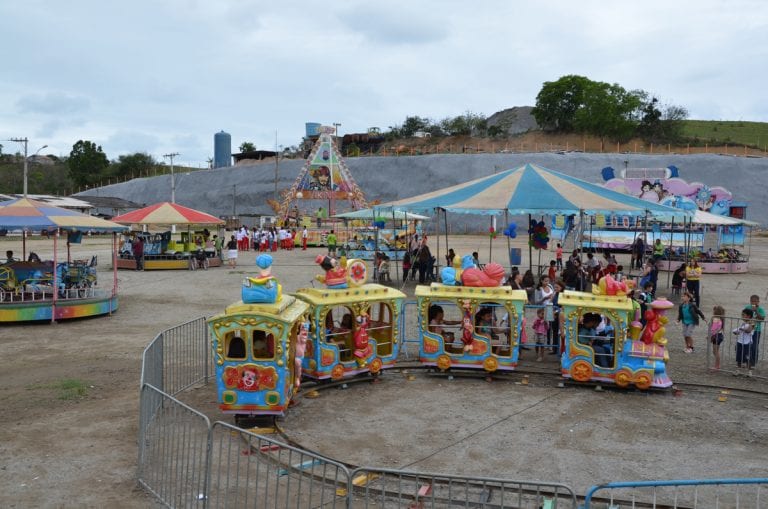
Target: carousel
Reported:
[(36, 289), (163, 250)]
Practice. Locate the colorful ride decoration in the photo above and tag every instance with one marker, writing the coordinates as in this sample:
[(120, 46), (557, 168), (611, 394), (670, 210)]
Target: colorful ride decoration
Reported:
[(255, 347), (607, 285), (465, 272), (265, 287), (352, 330), (538, 235), (342, 273), (631, 361), (465, 344)]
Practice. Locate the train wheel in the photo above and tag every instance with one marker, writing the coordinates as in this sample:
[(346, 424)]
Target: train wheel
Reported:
[(623, 378), (337, 372), (581, 371), (643, 380), (375, 366), (490, 364), (443, 362)]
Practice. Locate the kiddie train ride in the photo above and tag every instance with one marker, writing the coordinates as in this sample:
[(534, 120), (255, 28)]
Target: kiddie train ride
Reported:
[(265, 344)]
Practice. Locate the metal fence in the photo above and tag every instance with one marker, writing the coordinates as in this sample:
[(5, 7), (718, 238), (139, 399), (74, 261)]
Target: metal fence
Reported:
[(186, 461), (715, 493), (726, 353)]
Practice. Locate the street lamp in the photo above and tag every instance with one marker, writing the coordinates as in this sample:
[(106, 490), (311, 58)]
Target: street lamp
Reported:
[(173, 177), (336, 126)]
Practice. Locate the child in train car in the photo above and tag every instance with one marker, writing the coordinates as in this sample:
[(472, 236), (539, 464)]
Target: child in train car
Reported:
[(435, 314), (485, 323), (588, 336), (716, 333), (540, 328), (744, 342), (263, 345)]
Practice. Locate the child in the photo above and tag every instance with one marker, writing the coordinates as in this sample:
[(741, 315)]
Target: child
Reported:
[(645, 298), (559, 257), (716, 333), (540, 328), (758, 315), (552, 271), (689, 315), (743, 335)]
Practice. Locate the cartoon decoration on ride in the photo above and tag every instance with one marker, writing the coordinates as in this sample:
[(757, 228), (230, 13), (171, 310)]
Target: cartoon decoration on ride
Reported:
[(511, 230), (363, 348), (539, 236), (301, 349), (264, 288), (343, 273), (464, 272), (466, 326), (250, 377), (609, 286), (656, 319)]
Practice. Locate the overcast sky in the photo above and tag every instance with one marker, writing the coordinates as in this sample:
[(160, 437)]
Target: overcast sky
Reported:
[(165, 75)]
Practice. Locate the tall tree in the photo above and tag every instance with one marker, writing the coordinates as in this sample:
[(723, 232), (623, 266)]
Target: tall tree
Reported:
[(139, 163), (86, 163), (607, 111), (558, 101), (660, 123), (247, 146)]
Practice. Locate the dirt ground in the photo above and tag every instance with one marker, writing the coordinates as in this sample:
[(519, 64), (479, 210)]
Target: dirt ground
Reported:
[(64, 449)]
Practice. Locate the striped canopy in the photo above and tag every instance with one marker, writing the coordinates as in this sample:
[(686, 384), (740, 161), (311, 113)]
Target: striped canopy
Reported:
[(530, 189), (167, 213), (33, 215)]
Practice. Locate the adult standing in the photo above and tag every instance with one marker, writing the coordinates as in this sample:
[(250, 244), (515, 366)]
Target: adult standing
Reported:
[(692, 279), (658, 250), (758, 315), (232, 252), (331, 240), (639, 253), (217, 245), (138, 252), (320, 215), (425, 262), (304, 235)]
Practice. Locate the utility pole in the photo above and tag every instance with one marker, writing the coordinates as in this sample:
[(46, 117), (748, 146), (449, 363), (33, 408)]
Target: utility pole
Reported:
[(173, 177), (25, 141), (277, 166)]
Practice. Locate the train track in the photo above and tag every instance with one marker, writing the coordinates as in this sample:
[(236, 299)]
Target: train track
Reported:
[(539, 376)]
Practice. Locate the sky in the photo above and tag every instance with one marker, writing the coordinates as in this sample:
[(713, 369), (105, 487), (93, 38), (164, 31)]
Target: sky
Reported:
[(164, 76)]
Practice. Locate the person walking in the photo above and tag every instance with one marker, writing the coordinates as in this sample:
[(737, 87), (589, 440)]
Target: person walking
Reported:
[(232, 252), (688, 314), (692, 278), (138, 252), (304, 235)]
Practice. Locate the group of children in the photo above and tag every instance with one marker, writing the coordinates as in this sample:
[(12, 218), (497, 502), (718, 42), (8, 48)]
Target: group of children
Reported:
[(265, 239), (747, 335)]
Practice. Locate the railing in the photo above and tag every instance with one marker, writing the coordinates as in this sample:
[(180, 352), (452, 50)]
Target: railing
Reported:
[(714, 493)]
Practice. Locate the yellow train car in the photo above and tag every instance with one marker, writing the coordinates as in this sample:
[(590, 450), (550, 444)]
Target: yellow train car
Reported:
[(470, 327), (352, 330)]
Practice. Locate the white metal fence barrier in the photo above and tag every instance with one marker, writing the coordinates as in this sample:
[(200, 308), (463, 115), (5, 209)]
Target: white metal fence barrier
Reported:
[(727, 350)]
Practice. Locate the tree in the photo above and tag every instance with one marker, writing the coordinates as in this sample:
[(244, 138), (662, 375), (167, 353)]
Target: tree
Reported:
[(657, 126), (465, 125), (130, 165), (607, 111), (558, 101), (413, 124), (247, 146), (86, 163)]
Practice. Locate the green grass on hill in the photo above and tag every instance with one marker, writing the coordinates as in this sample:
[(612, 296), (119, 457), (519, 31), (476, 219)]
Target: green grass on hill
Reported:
[(718, 132)]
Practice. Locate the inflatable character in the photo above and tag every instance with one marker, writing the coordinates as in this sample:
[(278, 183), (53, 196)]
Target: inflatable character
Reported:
[(609, 286), (490, 276), (656, 319), (466, 327), (362, 346), (451, 276), (301, 348), (335, 274), (264, 288)]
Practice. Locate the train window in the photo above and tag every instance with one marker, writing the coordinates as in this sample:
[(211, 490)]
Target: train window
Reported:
[(380, 327), (445, 320), (263, 345), (597, 333), (234, 345), (339, 329)]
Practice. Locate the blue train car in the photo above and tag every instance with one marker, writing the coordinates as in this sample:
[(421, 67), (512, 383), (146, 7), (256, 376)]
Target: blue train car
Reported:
[(604, 344), (254, 348), (470, 327)]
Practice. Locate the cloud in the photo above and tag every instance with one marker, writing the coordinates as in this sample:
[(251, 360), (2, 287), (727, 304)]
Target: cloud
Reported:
[(392, 24), (52, 103)]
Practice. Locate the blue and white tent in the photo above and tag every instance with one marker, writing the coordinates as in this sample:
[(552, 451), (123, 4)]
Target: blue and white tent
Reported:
[(530, 189)]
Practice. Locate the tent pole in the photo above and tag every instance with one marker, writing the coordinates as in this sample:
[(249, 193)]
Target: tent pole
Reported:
[(669, 258), (509, 241), (55, 283), (397, 269), (530, 247), (437, 240), (490, 242)]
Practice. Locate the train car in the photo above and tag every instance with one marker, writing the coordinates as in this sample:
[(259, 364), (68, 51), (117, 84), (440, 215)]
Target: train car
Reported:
[(470, 327), (604, 343), (352, 330), (254, 348)]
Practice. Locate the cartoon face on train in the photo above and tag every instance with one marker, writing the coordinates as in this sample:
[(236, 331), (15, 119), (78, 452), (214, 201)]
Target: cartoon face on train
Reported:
[(466, 327), (352, 331)]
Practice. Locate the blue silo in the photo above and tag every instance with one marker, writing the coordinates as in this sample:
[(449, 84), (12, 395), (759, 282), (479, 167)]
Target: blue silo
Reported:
[(222, 150), (312, 128)]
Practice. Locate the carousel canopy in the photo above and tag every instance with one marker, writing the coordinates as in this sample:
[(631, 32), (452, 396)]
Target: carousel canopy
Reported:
[(530, 189), (702, 217), (167, 213), (31, 215), (382, 215)]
